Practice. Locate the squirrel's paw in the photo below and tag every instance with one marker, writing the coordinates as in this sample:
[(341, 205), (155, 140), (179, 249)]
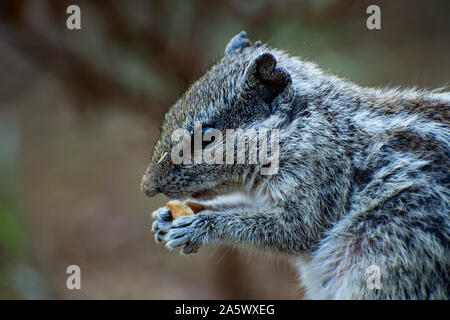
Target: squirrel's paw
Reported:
[(162, 223), (190, 231)]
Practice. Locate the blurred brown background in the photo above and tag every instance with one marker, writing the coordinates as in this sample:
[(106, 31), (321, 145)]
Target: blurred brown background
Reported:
[(80, 112)]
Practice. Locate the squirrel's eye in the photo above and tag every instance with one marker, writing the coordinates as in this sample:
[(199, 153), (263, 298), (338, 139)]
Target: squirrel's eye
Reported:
[(204, 143), (206, 129)]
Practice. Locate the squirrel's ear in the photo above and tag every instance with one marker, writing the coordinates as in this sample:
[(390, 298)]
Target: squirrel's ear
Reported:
[(239, 42), (273, 82)]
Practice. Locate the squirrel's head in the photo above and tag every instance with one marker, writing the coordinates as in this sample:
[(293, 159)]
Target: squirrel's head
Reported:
[(247, 89)]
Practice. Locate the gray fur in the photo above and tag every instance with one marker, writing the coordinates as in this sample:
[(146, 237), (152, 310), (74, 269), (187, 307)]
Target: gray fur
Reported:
[(363, 177)]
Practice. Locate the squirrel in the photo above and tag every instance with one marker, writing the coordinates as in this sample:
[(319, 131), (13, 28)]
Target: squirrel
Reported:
[(363, 177)]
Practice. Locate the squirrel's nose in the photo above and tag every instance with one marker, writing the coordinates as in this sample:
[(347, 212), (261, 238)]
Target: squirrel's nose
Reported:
[(149, 186)]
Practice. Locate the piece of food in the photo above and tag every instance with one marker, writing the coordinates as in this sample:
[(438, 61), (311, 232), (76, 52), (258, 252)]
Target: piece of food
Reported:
[(178, 208)]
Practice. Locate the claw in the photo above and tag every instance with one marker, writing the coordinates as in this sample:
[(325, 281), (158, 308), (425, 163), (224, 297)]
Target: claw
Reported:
[(171, 244), (190, 248), (162, 214), (183, 221), (161, 225), (159, 236), (177, 233)]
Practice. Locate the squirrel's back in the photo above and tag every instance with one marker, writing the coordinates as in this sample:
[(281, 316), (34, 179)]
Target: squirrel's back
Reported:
[(398, 214)]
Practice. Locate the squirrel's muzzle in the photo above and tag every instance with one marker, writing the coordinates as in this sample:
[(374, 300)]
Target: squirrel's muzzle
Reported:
[(149, 185)]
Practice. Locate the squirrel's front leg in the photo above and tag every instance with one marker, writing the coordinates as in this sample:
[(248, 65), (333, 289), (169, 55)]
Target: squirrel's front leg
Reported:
[(264, 227)]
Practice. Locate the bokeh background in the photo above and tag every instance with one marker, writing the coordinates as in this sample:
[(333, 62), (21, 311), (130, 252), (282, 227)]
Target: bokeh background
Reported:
[(80, 112)]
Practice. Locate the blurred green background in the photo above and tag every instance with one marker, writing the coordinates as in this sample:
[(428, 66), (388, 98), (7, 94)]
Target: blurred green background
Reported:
[(80, 112)]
